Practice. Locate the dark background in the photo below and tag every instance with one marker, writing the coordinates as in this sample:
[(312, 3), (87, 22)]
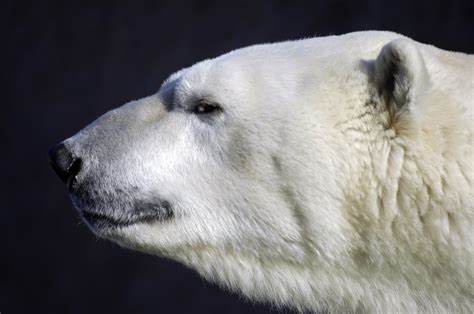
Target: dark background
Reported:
[(64, 64)]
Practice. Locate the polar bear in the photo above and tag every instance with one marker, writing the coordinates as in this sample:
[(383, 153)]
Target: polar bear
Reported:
[(331, 173)]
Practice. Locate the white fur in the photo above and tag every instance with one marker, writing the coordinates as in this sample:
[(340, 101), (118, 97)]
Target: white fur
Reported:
[(319, 186)]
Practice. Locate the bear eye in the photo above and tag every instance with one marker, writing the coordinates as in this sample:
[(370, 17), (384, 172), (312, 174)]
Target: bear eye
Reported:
[(203, 107)]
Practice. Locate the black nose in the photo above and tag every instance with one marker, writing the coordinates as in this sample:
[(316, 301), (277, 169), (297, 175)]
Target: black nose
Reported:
[(63, 163)]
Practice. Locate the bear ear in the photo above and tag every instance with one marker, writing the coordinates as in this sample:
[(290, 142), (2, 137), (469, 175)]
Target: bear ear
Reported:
[(400, 74)]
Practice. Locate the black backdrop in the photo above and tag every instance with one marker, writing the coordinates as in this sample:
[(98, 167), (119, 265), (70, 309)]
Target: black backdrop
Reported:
[(64, 64)]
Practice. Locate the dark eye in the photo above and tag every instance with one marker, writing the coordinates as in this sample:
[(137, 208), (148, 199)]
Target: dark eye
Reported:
[(205, 108)]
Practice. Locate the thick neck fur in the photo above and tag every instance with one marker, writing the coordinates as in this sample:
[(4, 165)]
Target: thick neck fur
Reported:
[(411, 202)]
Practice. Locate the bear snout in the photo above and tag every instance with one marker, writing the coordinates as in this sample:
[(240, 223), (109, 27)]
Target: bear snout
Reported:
[(64, 164)]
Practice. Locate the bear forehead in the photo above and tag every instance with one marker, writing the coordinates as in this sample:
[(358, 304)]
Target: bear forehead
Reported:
[(260, 61)]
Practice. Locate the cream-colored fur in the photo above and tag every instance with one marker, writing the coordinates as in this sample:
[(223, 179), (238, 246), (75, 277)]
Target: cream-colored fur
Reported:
[(337, 176)]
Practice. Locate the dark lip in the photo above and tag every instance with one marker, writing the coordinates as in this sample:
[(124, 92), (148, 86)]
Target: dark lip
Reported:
[(102, 221)]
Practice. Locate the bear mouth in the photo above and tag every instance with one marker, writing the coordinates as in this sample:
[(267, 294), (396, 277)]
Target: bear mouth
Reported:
[(98, 220), (101, 212), (101, 221)]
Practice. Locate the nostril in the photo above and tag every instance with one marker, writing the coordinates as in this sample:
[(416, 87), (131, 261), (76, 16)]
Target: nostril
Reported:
[(63, 163), (75, 167)]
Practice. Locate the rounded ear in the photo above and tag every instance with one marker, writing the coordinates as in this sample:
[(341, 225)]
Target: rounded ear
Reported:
[(400, 74)]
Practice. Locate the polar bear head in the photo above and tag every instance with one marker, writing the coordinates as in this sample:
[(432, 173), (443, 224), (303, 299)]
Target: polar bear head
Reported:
[(242, 167)]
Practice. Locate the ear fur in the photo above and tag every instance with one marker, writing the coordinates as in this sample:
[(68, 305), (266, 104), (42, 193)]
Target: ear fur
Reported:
[(400, 75)]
